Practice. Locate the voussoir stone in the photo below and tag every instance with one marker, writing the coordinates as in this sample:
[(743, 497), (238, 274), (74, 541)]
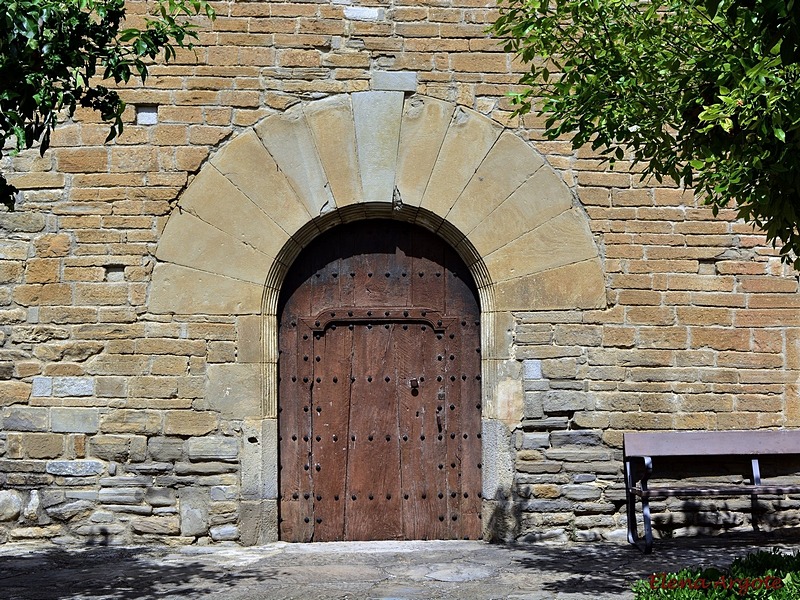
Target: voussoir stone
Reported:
[(422, 130), (178, 289), (508, 165), (213, 198), (563, 240), (469, 138), (377, 120), (331, 123), (245, 162), (192, 242), (579, 285), (288, 139)]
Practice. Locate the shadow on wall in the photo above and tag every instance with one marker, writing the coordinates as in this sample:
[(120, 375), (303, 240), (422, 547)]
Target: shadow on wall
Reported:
[(680, 518), (504, 523)]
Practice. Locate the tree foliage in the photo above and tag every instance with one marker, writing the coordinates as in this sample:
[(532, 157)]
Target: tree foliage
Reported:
[(55, 53), (703, 92)]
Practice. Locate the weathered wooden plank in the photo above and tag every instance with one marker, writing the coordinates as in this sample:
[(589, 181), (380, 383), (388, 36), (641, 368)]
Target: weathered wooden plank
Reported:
[(716, 443)]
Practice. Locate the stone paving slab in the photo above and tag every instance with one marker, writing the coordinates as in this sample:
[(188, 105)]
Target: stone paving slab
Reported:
[(354, 570)]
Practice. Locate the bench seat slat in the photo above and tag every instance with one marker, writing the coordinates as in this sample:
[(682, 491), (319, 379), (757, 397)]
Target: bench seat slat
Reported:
[(712, 443), (743, 490)]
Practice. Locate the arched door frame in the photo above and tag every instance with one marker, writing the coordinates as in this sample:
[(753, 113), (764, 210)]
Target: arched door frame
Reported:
[(265, 194)]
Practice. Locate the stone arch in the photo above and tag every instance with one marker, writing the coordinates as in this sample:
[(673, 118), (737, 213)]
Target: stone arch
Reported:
[(268, 192)]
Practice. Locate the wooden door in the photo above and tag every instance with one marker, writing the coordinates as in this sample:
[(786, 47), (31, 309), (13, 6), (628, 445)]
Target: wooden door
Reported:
[(379, 400)]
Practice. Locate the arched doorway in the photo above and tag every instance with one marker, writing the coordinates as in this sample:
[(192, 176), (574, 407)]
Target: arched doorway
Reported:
[(379, 388)]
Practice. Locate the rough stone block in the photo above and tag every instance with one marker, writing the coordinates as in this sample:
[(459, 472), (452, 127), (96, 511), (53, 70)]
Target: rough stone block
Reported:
[(193, 513), (74, 420), (43, 445), (120, 495), (75, 468), (221, 492), (222, 533), (546, 424), (10, 505), (205, 468), (531, 441), (167, 525), (234, 390), (399, 81), (25, 419), (131, 421), (52, 245), (165, 449), (579, 455), (14, 392), (213, 448), (547, 506), (558, 401), (532, 405), (120, 448), (73, 386), (363, 13), (42, 387), (51, 497), (258, 522), (189, 422), (160, 497), (34, 533), (577, 438), (68, 510), (581, 492), (532, 368)]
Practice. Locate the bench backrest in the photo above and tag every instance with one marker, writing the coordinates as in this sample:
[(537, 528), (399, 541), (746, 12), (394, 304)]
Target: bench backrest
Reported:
[(712, 443)]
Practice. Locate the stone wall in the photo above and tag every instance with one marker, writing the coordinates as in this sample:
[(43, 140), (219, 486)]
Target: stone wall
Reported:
[(123, 418)]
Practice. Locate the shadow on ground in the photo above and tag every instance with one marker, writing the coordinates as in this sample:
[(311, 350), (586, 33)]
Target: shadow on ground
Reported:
[(113, 574), (599, 568), (591, 570)]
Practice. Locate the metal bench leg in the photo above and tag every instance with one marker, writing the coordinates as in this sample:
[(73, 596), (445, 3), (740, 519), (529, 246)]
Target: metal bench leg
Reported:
[(630, 502), (648, 528), (753, 497)]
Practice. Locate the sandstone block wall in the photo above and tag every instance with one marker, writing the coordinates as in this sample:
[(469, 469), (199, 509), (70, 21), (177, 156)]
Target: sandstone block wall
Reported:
[(123, 418)]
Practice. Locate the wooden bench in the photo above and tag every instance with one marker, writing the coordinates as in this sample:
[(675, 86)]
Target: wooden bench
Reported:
[(639, 449)]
